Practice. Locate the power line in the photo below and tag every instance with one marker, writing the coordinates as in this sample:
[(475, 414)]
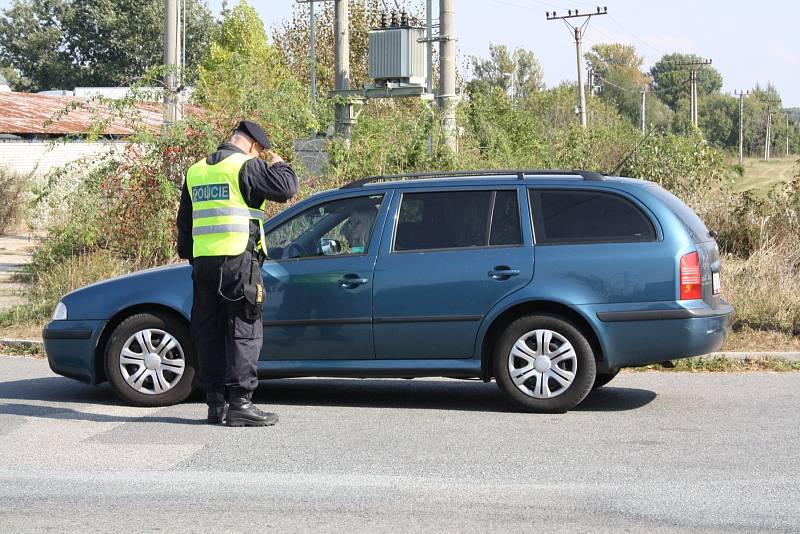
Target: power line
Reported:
[(618, 23)]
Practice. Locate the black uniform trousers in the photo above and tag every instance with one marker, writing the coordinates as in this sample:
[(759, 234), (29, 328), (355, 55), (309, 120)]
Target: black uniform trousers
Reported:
[(227, 340)]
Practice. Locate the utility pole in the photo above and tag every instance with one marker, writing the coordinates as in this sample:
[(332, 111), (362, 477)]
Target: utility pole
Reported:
[(429, 57), (769, 131), (578, 32), (447, 74), (741, 95), (694, 68), (171, 61), (312, 48), (787, 135), (344, 111), (312, 53), (644, 111)]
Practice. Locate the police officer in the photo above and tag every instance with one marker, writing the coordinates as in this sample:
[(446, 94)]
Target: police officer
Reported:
[(220, 232)]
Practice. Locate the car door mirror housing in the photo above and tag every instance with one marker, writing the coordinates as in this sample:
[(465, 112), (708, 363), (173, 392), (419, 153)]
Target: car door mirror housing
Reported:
[(330, 247)]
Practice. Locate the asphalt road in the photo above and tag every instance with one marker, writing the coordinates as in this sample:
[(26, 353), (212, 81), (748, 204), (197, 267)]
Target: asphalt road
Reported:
[(654, 452)]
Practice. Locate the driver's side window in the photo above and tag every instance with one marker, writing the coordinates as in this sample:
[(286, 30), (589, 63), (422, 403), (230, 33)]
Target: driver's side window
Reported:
[(335, 228)]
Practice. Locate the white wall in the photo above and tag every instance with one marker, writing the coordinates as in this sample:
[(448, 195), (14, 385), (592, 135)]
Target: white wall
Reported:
[(42, 156)]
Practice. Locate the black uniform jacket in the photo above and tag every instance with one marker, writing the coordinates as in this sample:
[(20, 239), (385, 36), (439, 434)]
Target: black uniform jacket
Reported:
[(258, 181)]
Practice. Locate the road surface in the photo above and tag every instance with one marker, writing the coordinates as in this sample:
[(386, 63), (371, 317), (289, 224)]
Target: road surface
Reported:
[(655, 452)]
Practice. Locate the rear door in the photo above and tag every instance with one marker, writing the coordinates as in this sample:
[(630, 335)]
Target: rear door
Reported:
[(447, 256), (319, 280)]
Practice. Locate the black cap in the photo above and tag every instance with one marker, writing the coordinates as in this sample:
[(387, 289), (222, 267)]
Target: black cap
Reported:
[(255, 132)]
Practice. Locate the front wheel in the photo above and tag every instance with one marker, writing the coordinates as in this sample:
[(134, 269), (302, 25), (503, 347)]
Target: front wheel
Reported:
[(150, 361), (604, 378), (543, 363)]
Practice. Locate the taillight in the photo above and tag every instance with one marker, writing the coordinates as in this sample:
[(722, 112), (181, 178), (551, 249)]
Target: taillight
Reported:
[(691, 282)]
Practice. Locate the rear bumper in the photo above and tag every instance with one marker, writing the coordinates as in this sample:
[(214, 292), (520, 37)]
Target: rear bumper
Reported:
[(70, 348), (640, 337)]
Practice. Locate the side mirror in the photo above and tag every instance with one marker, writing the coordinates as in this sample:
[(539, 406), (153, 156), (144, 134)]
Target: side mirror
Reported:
[(330, 247)]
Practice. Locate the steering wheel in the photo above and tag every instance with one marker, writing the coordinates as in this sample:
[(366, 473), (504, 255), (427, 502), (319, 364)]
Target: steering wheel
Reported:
[(295, 250)]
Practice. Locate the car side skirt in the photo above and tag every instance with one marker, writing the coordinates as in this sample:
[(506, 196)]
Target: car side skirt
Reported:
[(455, 368)]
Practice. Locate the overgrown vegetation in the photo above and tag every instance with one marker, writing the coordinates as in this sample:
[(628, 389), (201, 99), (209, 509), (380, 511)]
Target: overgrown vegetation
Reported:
[(13, 188), (119, 216)]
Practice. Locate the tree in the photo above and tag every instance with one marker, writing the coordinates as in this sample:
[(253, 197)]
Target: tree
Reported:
[(15, 81), (519, 71), (243, 77), (291, 40), (719, 119), (60, 44), (672, 81), (619, 71)]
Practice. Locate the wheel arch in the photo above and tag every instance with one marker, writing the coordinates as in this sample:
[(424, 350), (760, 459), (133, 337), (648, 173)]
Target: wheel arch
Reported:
[(531, 307), (116, 320)]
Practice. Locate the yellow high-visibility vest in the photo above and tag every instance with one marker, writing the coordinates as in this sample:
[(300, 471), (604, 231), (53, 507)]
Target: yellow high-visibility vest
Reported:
[(220, 216)]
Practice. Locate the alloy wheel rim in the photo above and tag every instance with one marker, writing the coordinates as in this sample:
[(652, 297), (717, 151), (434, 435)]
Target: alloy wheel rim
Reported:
[(152, 361), (542, 364)]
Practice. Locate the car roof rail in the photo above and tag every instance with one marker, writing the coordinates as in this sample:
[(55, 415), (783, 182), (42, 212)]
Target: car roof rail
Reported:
[(521, 174)]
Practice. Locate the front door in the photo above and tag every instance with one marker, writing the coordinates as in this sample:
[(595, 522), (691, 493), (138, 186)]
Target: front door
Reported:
[(451, 255), (319, 279)]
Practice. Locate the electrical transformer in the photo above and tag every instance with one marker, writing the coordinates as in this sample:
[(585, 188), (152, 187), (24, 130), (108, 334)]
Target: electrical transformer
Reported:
[(396, 56)]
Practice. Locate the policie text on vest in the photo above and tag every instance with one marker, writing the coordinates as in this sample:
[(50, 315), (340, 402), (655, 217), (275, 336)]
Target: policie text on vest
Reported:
[(201, 193)]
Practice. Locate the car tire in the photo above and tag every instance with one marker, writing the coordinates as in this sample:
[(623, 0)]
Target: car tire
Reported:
[(552, 366), (604, 378), (150, 360)]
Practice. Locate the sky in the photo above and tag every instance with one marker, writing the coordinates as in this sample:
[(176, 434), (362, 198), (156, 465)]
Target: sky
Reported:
[(748, 43)]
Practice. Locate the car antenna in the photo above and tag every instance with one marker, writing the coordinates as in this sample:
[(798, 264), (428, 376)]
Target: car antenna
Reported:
[(628, 156)]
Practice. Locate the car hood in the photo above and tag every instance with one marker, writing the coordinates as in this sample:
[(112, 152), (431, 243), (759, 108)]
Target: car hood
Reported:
[(170, 286)]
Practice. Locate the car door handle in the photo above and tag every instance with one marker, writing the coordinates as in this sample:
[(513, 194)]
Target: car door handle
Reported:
[(350, 281), (503, 273)]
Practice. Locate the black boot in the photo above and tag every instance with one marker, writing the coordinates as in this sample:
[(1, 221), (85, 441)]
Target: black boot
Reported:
[(242, 412), (216, 412)]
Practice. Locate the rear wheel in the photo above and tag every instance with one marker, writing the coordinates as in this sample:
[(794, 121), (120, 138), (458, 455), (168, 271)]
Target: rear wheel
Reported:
[(150, 361), (543, 363)]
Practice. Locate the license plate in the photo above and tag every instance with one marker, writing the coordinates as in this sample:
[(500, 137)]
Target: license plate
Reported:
[(716, 284)]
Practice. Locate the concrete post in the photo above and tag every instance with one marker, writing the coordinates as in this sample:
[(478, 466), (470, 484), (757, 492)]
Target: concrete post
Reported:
[(581, 88), (344, 111), (171, 36), (447, 74)]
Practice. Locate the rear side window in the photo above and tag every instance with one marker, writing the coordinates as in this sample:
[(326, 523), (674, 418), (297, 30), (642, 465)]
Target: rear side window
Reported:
[(458, 219), (689, 218), (505, 220), (571, 216)]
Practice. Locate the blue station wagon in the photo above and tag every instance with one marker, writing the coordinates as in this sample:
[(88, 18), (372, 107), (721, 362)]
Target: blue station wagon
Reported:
[(547, 281)]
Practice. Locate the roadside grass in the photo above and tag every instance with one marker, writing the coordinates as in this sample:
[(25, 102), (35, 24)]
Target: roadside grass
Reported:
[(745, 338), (49, 282), (35, 350), (764, 289), (720, 364), (760, 176)]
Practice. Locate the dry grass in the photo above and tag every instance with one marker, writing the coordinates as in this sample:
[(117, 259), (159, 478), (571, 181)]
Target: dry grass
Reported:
[(718, 364), (760, 175), (765, 288), (48, 285), (746, 339), (13, 189)]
